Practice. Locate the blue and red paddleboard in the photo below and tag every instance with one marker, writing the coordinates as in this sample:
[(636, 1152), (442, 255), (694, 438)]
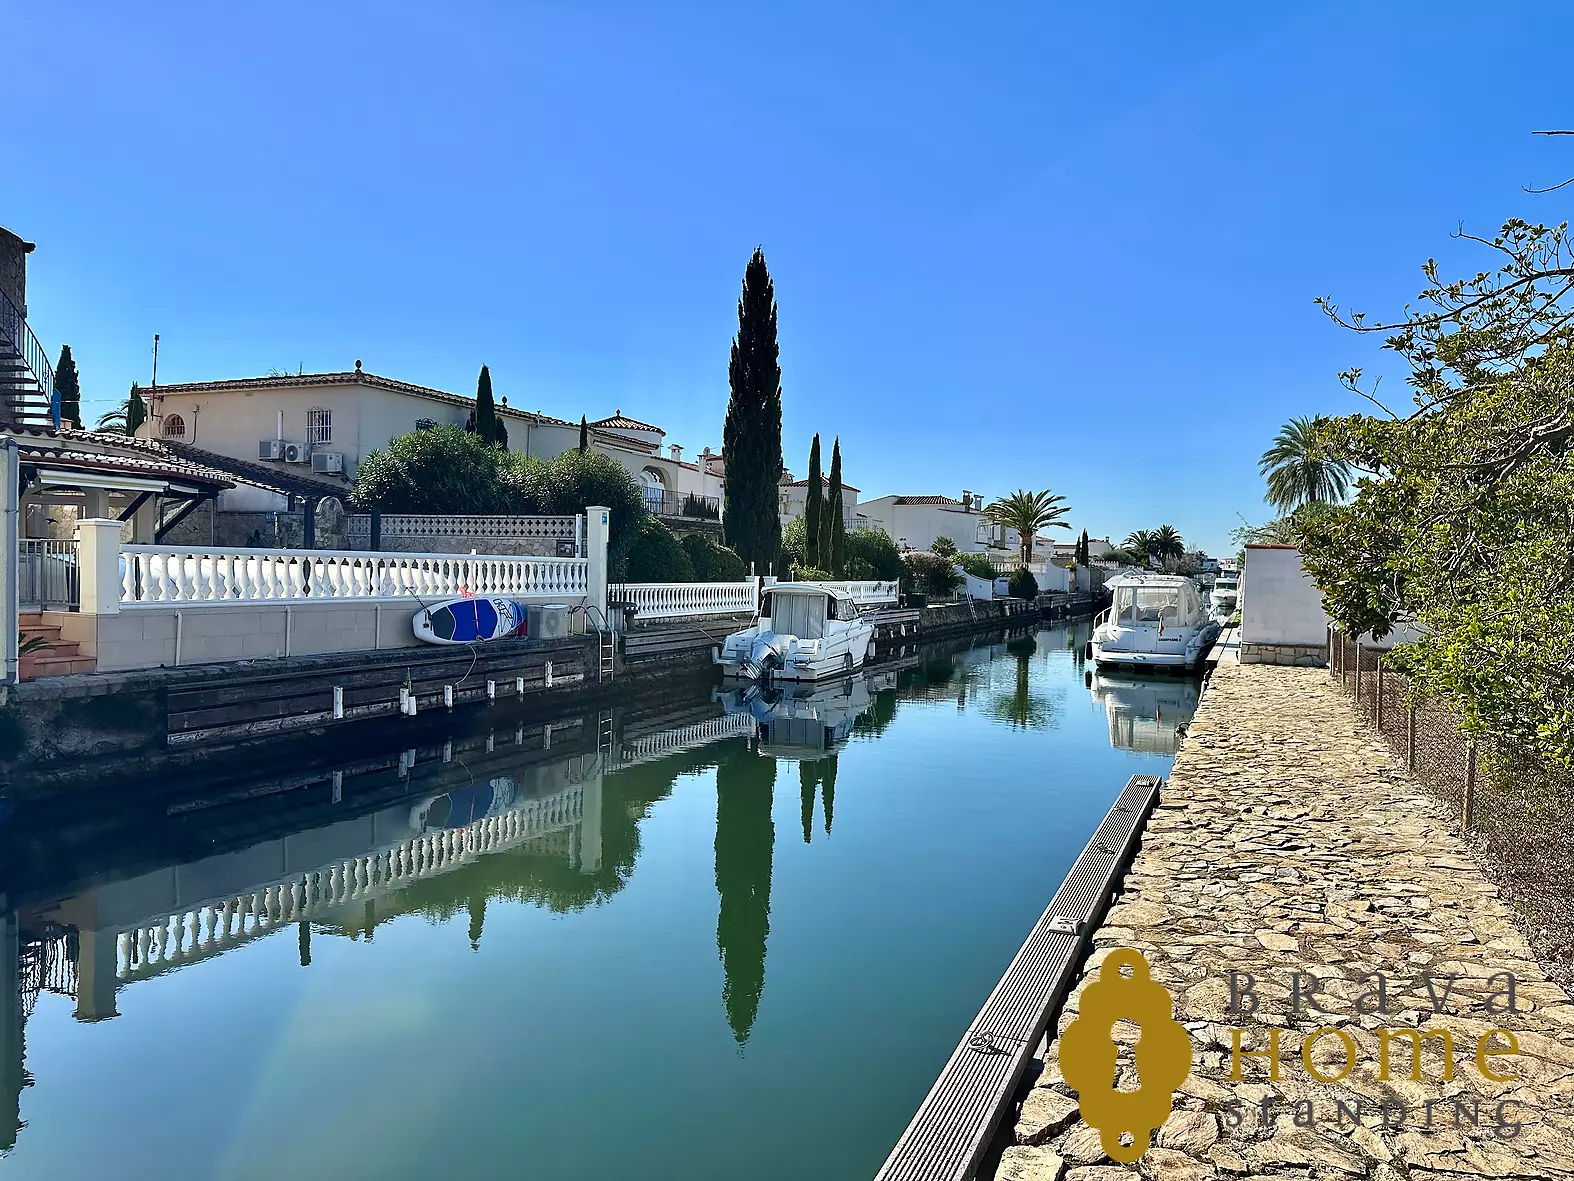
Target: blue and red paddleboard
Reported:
[(471, 621)]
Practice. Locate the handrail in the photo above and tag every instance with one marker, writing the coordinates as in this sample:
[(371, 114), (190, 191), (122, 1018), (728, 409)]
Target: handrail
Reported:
[(16, 329)]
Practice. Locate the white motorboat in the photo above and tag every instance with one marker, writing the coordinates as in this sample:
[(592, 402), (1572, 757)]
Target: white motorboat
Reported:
[(1156, 621), (806, 721), (804, 632), (1226, 594)]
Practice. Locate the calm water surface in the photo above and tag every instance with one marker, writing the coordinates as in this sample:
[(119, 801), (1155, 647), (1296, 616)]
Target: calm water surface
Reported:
[(703, 944)]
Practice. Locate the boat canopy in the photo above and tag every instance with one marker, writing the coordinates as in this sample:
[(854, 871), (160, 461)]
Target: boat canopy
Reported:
[(802, 610), (1172, 602)]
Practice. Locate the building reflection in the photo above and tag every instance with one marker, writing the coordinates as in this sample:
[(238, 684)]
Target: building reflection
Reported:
[(1146, 714)]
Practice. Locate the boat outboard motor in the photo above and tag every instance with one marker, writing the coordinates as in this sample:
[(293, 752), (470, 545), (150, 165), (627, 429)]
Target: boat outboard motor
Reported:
[(765, 657)]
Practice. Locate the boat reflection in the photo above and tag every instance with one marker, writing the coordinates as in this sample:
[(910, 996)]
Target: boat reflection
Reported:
[(806, 721), (1145, 715)]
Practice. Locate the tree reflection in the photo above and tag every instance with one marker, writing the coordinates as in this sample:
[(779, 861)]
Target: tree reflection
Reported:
[(817, 775), (745, 840), (1023, 708)]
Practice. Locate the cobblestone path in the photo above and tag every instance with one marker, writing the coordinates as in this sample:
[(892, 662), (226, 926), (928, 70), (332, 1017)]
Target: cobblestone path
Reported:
[(1289, 840)]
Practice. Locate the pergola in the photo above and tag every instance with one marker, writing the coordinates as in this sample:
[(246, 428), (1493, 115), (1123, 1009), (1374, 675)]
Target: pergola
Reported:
[(102, 478)]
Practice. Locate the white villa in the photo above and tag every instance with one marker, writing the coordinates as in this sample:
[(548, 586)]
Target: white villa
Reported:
[(795, 496), (324, 424), (916, 522)]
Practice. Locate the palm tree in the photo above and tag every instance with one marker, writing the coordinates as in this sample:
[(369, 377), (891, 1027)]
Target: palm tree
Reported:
[(1139, 542), (1027, 513), (1166, 542), (126, 419), (1299, 469)]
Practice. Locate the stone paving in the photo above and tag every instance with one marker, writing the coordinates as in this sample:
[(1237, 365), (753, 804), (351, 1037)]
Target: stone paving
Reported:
[(1289, 840)]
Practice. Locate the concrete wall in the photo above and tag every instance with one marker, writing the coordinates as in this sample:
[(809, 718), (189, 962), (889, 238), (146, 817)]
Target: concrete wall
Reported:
[(1279, 602), (146, 637)]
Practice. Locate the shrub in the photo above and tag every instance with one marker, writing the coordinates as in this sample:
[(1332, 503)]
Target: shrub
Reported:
[(567, 483), (695, 506), (943, 546), (795, 544), (870, 553), (443, 470), (713, 562), (1022, 585), (929, 573), (652, 554), (810, 574), (978, 565)]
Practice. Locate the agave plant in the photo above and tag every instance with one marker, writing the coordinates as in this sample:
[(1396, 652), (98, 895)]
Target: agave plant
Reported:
[(1027, 513)]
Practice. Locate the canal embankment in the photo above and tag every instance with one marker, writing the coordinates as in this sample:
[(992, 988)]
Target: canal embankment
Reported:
[(144, 714), (1297, 890)]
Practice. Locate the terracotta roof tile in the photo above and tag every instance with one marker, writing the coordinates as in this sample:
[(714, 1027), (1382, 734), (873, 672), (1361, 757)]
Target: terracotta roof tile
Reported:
[(352, 377), (620, 421)]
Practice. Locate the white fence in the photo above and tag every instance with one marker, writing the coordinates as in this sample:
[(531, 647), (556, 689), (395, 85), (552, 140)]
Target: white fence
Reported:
[(686, 600), (156, 574), (695, 600), (457, 525), (866, 592)]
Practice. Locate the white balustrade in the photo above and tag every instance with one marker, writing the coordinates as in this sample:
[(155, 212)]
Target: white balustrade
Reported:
[(163, 575), (685, 600), (866, 592), (208, 928)]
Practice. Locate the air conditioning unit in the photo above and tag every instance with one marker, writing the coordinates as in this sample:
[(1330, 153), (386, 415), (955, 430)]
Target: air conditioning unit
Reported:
[(549, 621), (328, 462), (297, 453), (270, 449)]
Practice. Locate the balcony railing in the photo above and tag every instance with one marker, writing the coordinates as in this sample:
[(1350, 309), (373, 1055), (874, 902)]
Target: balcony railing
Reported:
[(682, 504)]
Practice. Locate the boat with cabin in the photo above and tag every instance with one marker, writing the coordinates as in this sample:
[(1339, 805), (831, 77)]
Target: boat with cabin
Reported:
[(804, 632), (1226, 594), (1155, 621)]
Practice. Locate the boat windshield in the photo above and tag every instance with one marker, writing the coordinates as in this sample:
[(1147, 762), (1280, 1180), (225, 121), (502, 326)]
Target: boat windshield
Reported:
[(798, 615), (1152, 605)]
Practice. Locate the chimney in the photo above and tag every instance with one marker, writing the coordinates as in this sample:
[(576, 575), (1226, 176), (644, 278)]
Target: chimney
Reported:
[(967, 499), (677, 453)]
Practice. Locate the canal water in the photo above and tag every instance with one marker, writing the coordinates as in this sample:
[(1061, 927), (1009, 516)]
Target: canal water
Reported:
[(708, 937)]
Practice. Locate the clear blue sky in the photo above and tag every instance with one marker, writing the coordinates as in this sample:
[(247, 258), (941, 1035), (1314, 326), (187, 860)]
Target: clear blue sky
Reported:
[(1026, 245)]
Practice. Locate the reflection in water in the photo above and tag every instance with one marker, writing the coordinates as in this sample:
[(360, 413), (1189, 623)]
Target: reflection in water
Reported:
[(548, 816), (1145, 714), (745, 841)]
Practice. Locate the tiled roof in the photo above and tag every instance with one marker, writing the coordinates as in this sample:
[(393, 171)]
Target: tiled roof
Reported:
[(823, 484), (940, 500), (168, 467), (352, 377), (260, 474), (619, 421)]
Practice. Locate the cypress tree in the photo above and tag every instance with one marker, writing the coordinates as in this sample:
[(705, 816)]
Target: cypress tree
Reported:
[(752, 435), (68, 388), (136, 410), (1083, 557), (483, 419), (834, 530), (584, 435), (812, 507)]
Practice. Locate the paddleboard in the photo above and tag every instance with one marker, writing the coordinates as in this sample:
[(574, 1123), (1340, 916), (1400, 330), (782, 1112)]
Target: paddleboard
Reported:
[(470, 621)]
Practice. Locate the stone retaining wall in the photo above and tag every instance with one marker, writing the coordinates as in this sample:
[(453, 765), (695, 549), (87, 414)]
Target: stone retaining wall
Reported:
[(1289, 840)]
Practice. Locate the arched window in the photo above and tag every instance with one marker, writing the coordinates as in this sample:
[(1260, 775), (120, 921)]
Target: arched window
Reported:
[(319, 425), (655, 489), (174, 426)]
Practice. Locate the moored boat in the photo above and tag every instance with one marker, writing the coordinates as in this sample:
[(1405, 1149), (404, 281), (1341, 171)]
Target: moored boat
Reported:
[(804, 632), (1155, 621)]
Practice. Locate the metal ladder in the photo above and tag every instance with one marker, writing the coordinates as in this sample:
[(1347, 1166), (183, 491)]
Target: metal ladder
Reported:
[(606, 652)]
